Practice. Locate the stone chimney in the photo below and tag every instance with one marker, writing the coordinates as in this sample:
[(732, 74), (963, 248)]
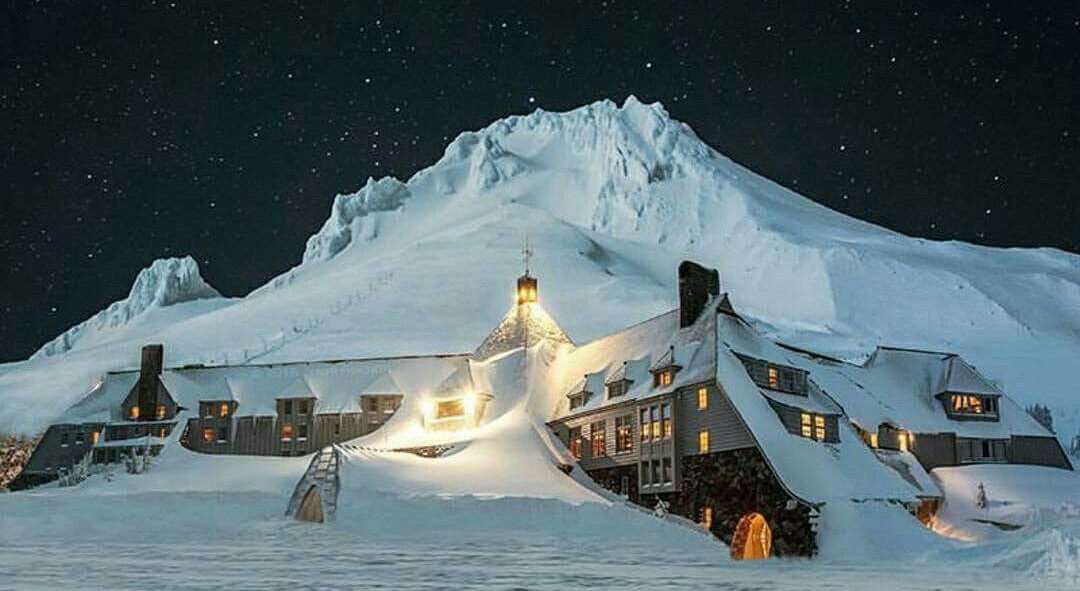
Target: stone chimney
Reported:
[(696, 284), (153, 358)]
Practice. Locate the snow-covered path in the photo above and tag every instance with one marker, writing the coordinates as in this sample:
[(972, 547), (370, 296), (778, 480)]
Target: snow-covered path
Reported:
[(240, 541)]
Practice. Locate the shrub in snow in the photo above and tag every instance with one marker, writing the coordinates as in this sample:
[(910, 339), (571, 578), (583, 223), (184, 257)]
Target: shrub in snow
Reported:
[(1043, 415), (980, 496), (78, 472), (15, 452), (661, 509)]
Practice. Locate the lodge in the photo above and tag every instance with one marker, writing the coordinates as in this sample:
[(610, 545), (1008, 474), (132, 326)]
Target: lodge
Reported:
[(694, 408)]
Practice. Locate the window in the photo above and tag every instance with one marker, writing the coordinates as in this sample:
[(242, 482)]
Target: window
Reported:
[(287, 407), (702, 398), (819, 428), (450, 408), (991, 405), (79, 439), (222, 434), (902, 440), (703, 442), (224, 409), (301, 432), (207, 434), (575, 442), (160, 414), (624, 434), (63, 440), (662, 378), (706, 518), (656, 473), (162, 433), (134, 413), (337, 428), (655, 415), (577, 401), (371, 404), (645, 480), (645, 429), (774, 378), (286, 432), (665, 416), (616, 389), (805, 422), (967, 404), (666, 471), (598, 435), (95, 436), (302, 406)]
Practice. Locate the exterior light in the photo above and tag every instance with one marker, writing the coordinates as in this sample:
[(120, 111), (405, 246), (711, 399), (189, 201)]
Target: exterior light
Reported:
[(427, 408), (469, 401)]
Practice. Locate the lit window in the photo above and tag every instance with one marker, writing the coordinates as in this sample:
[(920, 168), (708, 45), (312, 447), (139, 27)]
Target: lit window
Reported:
[(575, 445), (819, 427), (706, 518), (665, 416), (902, 440), (450, 408), (95, 436), (286, 432), (662, 378), (207, 434), (161, 433), (873, 440), (702, 398), (655, 422), (806, 425), (160, 411), (967, 404), (301, 432), (774, 378), (599, 439), (134, 412), (703, 442), (624, 434), (224, 411), (645, 424)]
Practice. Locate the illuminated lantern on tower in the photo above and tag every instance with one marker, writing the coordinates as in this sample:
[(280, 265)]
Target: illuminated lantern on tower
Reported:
[(526, 284)]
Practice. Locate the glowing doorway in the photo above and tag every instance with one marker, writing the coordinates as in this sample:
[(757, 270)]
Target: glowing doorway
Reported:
[(752, 539)]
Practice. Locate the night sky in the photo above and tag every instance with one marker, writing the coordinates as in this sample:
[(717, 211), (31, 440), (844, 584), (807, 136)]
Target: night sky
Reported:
[(224, 129)]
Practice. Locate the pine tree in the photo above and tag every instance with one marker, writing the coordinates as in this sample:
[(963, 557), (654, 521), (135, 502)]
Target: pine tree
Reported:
[(1043, 415)]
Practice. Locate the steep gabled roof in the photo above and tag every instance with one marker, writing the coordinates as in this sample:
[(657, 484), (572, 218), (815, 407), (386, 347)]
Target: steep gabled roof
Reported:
[(524, 325), (961, 377)]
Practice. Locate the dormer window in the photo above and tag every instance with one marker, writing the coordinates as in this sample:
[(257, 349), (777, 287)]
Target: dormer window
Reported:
[(616, 389), (773, 376), (134, 413), (664, 370), (963, 406), (578, 399), (663, 378), (223, 410)]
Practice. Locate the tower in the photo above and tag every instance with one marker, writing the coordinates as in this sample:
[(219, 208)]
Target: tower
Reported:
[(526, 284)]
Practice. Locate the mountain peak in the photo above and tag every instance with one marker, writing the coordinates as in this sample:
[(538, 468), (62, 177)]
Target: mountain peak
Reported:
[(164, 283)]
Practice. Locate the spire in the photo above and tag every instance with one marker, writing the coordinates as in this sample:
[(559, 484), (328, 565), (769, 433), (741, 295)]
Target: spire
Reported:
[(526, 284)]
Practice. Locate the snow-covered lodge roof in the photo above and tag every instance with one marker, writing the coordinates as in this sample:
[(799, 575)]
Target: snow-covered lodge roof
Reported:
[(337, 385), (895, 386)]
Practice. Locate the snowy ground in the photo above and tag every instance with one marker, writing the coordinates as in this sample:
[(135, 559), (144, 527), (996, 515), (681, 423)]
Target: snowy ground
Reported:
[(236, 541)]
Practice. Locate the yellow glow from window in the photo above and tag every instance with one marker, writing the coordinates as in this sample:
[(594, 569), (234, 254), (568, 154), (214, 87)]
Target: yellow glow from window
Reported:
[(224, 409), (873, 440), (703, 442), (774, 378), (160, 411), (702, 398), (207, 434), (903, 440), (706, 518), (286, 432), (95, 436), (134, 412)]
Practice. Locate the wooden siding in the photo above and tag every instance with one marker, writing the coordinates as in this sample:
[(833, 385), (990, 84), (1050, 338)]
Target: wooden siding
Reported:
[(60, 448), (726, 429), (1042, 451), (935, 449)]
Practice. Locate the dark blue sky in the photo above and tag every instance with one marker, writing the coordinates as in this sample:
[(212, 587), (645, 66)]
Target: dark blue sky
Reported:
[(224, 129)]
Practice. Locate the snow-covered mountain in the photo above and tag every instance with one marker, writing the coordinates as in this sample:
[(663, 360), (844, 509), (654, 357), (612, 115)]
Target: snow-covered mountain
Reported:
[(612, 198), (165, 283)]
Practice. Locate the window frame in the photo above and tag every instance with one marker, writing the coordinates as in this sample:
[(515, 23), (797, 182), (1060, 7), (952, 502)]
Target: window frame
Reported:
[(598, 438)]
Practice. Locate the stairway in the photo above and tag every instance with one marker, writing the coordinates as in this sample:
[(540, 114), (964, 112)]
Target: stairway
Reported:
[(322, 473)]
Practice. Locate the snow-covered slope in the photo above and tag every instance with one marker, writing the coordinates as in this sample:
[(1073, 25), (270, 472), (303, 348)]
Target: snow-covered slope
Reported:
[(612, 197)]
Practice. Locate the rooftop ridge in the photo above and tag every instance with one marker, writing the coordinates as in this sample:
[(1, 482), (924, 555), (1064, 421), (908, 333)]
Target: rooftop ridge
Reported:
[(199, 366)]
